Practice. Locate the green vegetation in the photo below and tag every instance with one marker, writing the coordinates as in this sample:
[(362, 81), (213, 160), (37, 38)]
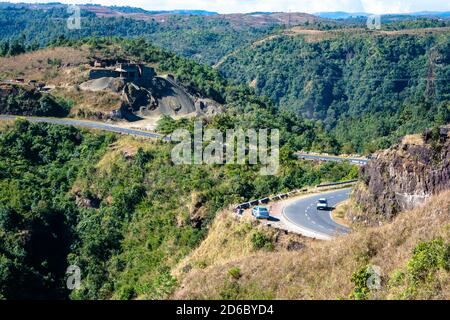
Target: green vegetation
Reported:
[(235, 273), (423, 273), (39, 163), (117, 208), (206, 40), (422, 270), (361, 279), (260, 240), (19, 100)]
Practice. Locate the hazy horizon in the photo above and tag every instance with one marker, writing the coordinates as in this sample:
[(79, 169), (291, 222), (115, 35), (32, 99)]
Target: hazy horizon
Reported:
[(307, 6)]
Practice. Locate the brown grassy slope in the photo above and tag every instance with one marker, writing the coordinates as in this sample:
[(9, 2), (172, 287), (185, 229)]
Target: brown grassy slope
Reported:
[(323, 270), (86, 102), (64, 68), (45, 65), (231, 238)]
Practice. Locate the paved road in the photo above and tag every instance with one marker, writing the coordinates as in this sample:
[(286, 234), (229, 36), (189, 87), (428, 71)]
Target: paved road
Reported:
[(331, 158), (90, 125), (303, 214)]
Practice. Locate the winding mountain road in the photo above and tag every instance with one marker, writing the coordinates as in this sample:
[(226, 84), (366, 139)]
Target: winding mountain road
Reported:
[(309, 221), (90, 125), (300, 213), (357, 161)]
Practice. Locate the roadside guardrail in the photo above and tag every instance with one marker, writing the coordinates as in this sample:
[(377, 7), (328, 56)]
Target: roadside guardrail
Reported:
[(246, 205), (336, 183)]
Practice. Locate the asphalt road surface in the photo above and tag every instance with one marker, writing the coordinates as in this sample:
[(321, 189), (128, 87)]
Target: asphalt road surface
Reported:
[(331, 158), (303, 213), (90, 125)]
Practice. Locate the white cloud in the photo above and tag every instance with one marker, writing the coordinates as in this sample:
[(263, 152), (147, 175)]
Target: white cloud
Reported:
[(310, 6)]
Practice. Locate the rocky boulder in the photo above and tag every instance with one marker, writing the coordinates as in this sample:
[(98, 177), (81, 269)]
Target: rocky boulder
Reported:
[(404, 176)]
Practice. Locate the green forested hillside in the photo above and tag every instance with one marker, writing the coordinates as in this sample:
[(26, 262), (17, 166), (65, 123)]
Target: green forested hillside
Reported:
[(243, 108), (116, 207), (193, 36), (24, 101), (367, 89), (119, 208)]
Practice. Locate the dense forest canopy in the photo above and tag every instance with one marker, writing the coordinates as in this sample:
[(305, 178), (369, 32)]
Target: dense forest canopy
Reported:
[(188, 35), (115, 207), (362, 87)]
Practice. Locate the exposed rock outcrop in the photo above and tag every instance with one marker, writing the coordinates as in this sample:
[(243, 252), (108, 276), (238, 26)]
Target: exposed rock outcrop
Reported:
[(154, 96), (106, 83), (405, 175)]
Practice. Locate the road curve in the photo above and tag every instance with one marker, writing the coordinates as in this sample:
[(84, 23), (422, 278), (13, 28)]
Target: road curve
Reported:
[(316, 223), (90, 125), (358, 161)]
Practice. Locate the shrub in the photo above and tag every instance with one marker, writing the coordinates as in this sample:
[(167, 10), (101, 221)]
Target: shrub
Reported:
[(359, 279), (235, 272), (365, 279), (427, 258), (126, 293), (230, 290), (260, 240)]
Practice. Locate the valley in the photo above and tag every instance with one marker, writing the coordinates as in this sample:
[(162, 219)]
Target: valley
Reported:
[(357, 121)]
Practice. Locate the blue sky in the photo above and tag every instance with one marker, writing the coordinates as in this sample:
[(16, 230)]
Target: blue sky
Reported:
[(310, 6)]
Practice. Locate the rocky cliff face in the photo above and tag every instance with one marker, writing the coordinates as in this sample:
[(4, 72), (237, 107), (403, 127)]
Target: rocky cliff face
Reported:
[(404, 176), (154, 97)]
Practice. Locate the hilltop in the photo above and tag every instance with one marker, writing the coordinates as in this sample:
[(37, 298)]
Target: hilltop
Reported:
[(88, 80)]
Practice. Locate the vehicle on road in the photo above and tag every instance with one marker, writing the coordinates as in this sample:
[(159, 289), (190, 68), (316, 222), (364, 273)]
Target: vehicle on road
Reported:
[(322, 204), (260, 212)]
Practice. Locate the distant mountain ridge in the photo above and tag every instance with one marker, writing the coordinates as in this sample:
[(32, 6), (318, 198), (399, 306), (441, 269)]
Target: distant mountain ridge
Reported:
[(138, 10), (347, 15), (127, 9), (341, 15), (122, 9)]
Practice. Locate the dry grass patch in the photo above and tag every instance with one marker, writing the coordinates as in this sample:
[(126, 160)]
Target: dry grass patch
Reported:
[(339, 214), (43, 65), (324, 269), (6, 124), (233, 238), (413, 139), (87, 103), (125, 146)]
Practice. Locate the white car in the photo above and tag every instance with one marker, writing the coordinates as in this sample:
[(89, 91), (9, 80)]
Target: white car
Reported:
[(260, 212), (322, 204)]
